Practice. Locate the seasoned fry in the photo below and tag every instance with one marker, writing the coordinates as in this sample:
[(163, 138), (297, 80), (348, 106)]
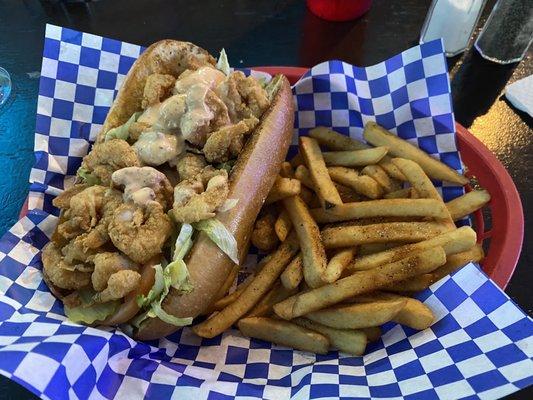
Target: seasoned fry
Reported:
[(283, 225), (228, 282), (373, 333), (360, 183), (406, 232), (284, 333), (399, 194), (277, 294), (467, 203), (382, 208), (303, 175), (347, 341), (378, 136), (293, 274), (230, 298), (414, 314), (348, 195), (336, 141), (380, 176), (338, 263), (359, 315), (283, 187), (355, 158), (453, 242), (263, 235), (286, 170), (309, 197), (372, 248), (418, 178), (326, 191), (313, 253), (414, 284), (458, 260), (360, 282), (257, 288)]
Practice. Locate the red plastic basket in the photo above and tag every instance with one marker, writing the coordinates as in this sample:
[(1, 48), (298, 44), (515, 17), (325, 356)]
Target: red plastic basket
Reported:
[(507, 218), (507, 230)]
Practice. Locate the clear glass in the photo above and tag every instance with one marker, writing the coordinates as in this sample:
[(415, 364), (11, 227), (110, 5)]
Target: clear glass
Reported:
[(453, 21), (508, 32), (5, 86)]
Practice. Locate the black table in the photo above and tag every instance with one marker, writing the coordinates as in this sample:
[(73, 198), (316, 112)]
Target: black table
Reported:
[(260, 32)]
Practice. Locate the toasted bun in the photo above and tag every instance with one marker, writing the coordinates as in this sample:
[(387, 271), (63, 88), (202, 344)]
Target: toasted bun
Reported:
[(250, 181), (170, 57)]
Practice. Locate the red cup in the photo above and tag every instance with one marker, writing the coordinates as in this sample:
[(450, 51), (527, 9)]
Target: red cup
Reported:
[(339, 10)]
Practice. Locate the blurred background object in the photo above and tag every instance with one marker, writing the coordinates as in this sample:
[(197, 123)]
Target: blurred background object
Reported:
[(508, 32), (5, 85), (453, 21), (339, 10)]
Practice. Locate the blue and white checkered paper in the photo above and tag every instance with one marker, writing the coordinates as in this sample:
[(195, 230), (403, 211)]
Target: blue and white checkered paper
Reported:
[(480, 346)]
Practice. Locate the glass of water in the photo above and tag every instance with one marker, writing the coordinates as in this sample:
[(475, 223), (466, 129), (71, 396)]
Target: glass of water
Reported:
[(5, 86)]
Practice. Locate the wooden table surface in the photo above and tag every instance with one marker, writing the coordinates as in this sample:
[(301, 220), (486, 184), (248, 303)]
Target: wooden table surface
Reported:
[(260, 32)]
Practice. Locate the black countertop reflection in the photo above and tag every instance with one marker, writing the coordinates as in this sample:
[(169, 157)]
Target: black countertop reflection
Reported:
[(263, 32)]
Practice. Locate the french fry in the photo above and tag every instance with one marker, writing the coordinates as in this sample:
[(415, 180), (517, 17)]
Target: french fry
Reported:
[(347, 341), (348, 195), (257, 288), (313, 253), (360, 282), (415, 314), (418, 178), (230, 298), (399, 194), (414, 284), (467, 203), (263, 235), (372, 334), (277, 294), (378, 136), (405, 232), (458, 260), (372, 248), (338, 263), (324, 188), (360, 183), (283, 187), (309, 197), (297, 160), (286, 170), (228, 282), (429, 208), (453, 242), (283, 225), (359, 315), (284, 333), (380, 176), (336, 141), (293, 274), (355, 158), (303, 175)]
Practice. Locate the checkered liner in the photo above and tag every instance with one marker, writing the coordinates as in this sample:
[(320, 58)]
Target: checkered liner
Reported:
[(480, 346)]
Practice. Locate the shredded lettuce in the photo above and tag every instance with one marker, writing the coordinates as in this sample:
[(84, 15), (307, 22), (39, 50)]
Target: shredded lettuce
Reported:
[(228, 165), (220, 235), (122, 131), (223, 63), (273, 86), (228, 205), (87, 177), (90, 314), (168, 318), (155, 291)]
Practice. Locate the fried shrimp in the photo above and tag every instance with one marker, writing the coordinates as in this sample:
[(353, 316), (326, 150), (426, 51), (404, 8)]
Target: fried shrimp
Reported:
[(107, 157), (63, 199), (143, 184), (119, 285), (226, 143), (76, 250), (140, 232), (198, 198), (264, 236), (190, 165), (243, 96), (107, 264), (61, 273), (157, 87)]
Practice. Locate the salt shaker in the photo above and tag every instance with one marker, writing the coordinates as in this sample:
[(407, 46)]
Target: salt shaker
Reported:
[(508, 32)]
